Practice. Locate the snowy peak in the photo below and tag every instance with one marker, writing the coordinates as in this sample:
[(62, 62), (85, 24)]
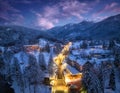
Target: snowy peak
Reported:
[(70, 29), (108, 28), (114, 18)]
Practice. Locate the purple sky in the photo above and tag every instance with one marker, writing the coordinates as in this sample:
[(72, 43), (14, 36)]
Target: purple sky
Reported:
[(46, 14)]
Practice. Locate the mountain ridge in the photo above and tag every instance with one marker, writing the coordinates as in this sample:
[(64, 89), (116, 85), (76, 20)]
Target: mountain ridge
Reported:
[(13, 35), (89, 30)]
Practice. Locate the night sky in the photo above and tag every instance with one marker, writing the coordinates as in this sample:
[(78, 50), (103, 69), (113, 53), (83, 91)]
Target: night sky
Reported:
[(46, 14)]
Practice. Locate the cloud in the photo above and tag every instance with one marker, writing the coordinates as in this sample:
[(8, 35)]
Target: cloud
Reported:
[(61, 11), (9, 13), (107, 10), (17, 19), (74, 8), (49, 13), (5, 7), (45, 23), (48, 18), (109, 6)]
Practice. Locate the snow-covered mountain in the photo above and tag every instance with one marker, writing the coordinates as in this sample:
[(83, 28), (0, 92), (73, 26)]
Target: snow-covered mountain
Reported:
[(109, 28), (70, 31), (12, 35)]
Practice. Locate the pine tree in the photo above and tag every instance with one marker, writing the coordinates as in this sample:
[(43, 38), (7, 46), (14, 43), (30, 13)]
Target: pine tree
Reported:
[(35, 74), (104, 45), (47, 47), (1, 63), (84, 45), (51, 66), (117, 60), (16, 72), (8, 56), (112, 80), (42, 62), (111, 44), (57, 48), (90, 79)]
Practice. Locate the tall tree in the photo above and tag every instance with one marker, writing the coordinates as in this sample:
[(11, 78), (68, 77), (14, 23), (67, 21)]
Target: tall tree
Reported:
[(84, 45), (34, 73), (90, 79), (51, 66), (112, 80), (2, 64), (47, 47), (16, 72), (42, 62), (111, 44), (57, 48)]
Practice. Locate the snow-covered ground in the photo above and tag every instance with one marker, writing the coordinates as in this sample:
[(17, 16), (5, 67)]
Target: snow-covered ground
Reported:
[(77, 54), (90, 54), (32, 89), (72, 70)]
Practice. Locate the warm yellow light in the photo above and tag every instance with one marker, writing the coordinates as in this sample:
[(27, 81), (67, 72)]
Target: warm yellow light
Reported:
[(60, 83), (64, 66), (52, 82), (73, 78), (61, 57)]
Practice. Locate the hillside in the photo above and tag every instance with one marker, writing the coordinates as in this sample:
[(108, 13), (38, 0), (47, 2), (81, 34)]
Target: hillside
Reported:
[(12, 35), (108, 28)]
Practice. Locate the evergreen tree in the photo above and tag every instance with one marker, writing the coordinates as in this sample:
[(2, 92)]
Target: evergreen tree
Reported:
[(17, 74), (51, 66), (112, 80), (15, 70), (90, 79), (1, 63), (104, 45), (35, 74), (117, 60), (57, 48), (47, 47), (100, 74), (84, 45), (8, 56), (4, 86), (42, 62), (111, 44)]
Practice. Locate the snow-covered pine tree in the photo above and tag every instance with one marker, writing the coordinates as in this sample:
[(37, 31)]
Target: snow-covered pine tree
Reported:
[(42, 62), (117, 73), (35, 74), (47, 47), (57, 48), (90, 79), (111, 44), (51, 66), (15, 69), (100, 74), (17, 74), (84, 45), (117, 60), (7, 55)]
